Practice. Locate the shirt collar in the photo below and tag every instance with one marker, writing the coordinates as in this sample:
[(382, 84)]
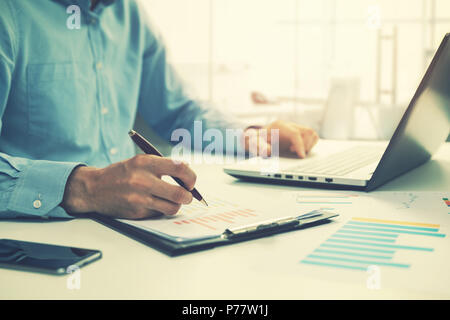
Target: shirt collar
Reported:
[(85, 4)]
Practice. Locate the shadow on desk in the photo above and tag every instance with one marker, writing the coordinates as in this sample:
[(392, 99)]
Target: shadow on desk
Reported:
[(431, 176), (289, 183)]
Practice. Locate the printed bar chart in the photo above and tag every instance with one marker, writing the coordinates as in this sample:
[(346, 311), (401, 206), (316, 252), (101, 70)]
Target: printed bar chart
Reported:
[(196, 220), (363, 242), (447, 203), (209, 221), (218, 213)]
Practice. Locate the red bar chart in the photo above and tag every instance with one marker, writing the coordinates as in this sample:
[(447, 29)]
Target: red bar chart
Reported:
[(212, 221), (196, 220)]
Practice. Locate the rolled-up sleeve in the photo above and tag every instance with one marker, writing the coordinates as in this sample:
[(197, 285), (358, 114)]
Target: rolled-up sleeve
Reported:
[(33, 188)]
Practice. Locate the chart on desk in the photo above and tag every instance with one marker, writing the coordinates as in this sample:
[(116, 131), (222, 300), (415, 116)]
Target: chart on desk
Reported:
[(196, 220), (402, 235), (362, 242), (383, 232)]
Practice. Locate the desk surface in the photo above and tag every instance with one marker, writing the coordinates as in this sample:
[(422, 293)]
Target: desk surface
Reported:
[(250, 270)]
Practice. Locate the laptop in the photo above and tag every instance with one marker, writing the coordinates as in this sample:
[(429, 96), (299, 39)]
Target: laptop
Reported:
[(423, 127)]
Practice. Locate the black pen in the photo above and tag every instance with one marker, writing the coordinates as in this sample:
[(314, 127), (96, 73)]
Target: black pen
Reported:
[(148, 148)]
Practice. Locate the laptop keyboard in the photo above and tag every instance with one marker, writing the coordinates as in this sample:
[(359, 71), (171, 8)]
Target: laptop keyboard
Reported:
[(342, 163)]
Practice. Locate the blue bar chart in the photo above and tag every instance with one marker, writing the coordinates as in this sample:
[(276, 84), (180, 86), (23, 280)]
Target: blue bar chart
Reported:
[(363, 242)]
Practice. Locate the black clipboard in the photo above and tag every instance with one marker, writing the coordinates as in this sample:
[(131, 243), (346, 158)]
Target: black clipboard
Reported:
[(229, 236)]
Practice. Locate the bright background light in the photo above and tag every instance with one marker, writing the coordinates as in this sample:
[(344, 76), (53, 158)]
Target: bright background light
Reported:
[(359, 61)]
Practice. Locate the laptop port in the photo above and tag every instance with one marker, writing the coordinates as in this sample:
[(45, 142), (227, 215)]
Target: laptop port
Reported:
[(300, 177), (289, 176), (328, 180), (277, 175), (312, 178)]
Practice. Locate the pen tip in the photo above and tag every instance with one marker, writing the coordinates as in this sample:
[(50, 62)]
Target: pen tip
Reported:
[(204, 202), (131, 133)]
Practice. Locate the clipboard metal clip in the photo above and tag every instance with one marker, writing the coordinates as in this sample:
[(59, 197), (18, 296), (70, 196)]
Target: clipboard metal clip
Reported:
[(279, 224), (265, 226)]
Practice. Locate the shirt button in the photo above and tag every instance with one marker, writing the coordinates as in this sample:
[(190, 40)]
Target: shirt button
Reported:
[(104, 110), (37, 204), (113, 151), (99, 65), (93, 21)]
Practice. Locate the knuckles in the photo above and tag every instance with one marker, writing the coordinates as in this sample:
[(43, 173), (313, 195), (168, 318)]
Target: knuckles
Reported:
[(173, 209), (181, 196), (139, 160), (181, 168), (140, 213), (139, 207), (144, 160), (133, 200), (178, 195), (135, 180), (188, 176)]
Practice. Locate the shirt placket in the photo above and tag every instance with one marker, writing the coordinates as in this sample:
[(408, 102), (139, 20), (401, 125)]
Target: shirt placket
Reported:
[(95, 37)]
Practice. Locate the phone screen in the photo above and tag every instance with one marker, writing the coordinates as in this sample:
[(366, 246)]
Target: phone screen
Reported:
[(45, 258)]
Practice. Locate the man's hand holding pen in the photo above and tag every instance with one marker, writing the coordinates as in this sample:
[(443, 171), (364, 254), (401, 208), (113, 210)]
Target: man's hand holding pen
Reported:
[(129, 189), (134, 189)]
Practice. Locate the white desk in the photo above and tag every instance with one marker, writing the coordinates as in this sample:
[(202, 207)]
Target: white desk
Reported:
[(249, 270)]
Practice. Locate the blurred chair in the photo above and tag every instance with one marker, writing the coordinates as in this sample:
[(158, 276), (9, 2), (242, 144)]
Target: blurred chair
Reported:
[(338, 114)]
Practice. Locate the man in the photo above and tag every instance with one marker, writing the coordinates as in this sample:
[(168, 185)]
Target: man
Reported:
[(69, 95)]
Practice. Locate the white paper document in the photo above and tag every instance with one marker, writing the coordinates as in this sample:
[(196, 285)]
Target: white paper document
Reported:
[(382, 240), (198, 221)]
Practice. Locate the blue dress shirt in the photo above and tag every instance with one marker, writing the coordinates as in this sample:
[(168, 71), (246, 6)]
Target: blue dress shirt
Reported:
[(69, 96)]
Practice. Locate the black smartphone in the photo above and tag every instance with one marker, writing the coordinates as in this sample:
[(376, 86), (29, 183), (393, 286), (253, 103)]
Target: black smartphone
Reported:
[(44, 258)]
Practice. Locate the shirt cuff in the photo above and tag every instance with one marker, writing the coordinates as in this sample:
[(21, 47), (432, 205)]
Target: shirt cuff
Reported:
[(40, 189)]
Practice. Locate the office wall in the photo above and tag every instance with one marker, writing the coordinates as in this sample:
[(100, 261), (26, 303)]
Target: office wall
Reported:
[(291, 50)]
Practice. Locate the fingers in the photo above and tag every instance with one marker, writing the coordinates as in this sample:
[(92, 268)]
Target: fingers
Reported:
[(142, 207), (156, 195), (133, 188), (170, 192), (294, 138), (166, 207), (160, 166), (181, 170), (297, 145), (309, 137), (314, 140)]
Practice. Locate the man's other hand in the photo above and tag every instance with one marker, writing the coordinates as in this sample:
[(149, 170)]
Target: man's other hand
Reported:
[(293, 139)]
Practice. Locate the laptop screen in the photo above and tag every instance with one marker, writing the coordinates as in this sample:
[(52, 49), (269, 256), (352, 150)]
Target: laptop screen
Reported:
[(424, 125)]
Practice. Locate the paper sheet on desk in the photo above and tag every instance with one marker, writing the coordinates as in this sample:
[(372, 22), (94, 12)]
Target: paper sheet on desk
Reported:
[(383, 240), (198, 221), (424, 206)]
